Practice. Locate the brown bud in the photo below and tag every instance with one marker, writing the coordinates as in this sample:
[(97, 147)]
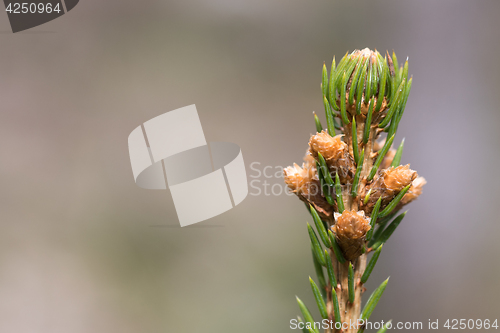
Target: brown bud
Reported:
[(350, 230), (396, 179), (336, 154), (310, 164), (387, 184), (305, 184)]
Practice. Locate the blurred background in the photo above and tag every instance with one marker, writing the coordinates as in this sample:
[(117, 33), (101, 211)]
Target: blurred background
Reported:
[(84, 250)]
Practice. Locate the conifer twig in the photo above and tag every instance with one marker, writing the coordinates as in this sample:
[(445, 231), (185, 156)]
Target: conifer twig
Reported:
[(360, 184)]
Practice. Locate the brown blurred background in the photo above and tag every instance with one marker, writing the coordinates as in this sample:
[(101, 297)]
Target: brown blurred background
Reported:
[(84, 250)]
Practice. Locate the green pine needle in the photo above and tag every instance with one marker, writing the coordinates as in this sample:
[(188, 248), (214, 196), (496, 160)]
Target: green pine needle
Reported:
[(394, 202), (380, 157), (355, 78), (371, 265), (304, 330), (330, 271), (317, 250), (397, 157), (373, 301), (324, 170), (360, 88), (355, 182), (331, 84), (367, 197), (307, 315), (381, 92), (355, 147), (387, 233), (324, 186), (343, 112), (319, 271), (405, 99), (392, 78), (343, 63), (373, 219), (350, 67), (374, 81), (350, 282), (338, 194), (319, 299), (336, 308), (368, 123), (330, 122), (324, 82), (395, 62), (380, 228), (319, 128), (385, 327), (387, 218), (369, 79), (320, 227), (336, 248), (394, 105), (405, 71)]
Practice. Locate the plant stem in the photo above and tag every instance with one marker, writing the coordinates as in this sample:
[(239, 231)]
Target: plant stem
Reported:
[(351, 312)]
